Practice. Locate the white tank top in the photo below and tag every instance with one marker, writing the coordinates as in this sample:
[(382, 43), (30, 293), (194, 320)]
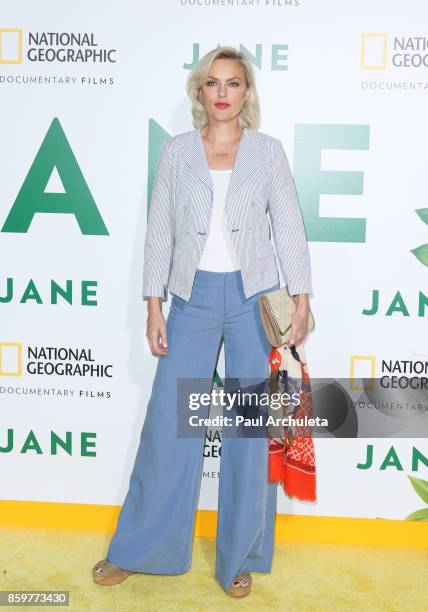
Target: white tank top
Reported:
[(219, 254)]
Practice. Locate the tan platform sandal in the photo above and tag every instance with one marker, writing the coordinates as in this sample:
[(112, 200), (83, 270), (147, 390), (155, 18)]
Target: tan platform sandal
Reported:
[(108, 574), (241, 586)]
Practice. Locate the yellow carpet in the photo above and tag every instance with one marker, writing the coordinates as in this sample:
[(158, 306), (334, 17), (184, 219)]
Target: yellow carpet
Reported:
[(305, 577)]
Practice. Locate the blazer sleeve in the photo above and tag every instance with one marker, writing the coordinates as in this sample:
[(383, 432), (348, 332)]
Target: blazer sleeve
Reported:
[(288, 229), (159, 241)]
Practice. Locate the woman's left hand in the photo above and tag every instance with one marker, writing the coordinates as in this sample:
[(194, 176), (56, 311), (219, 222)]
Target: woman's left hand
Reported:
[(300, 320), (299, 327)]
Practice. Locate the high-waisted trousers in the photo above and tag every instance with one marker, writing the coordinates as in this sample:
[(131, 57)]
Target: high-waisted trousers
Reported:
[(155, 527)]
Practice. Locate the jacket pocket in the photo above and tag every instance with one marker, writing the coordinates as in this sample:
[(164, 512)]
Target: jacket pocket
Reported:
[(264, 249)]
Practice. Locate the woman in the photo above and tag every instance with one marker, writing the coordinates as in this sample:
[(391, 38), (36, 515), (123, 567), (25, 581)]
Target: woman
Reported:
[(208, 241)]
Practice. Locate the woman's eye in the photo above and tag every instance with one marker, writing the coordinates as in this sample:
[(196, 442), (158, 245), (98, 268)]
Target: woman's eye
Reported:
[(234, 83)]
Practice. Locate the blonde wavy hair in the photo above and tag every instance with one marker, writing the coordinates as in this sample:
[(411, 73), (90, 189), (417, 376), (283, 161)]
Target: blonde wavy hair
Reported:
[(250, 113)]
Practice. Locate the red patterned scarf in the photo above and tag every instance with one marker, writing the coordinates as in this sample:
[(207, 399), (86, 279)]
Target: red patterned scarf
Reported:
[(291, 449)]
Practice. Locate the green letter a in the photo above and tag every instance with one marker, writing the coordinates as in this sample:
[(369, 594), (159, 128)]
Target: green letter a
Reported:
[(55, 151)]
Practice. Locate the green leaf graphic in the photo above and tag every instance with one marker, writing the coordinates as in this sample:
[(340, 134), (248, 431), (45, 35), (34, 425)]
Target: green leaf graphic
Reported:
[(419, 515), (421, 487), (423, 213), (421, 252)]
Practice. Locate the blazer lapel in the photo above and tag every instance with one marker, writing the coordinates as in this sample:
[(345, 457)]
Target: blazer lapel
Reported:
[(246, 161), (194, 156)]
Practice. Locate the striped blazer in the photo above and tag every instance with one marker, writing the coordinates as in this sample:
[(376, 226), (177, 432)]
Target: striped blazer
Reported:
[(261, 184)]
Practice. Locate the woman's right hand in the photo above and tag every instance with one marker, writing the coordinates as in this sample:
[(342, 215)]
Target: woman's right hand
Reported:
[(156, 328)]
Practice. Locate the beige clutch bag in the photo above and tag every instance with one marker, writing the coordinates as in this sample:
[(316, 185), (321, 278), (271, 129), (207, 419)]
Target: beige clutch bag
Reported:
[(276, 309)]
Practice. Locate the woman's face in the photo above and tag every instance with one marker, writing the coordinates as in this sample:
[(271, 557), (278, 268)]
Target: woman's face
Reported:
[(224, 91)]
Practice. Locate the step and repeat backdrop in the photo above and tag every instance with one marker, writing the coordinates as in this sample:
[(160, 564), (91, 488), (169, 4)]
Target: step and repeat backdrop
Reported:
[(88, 93)]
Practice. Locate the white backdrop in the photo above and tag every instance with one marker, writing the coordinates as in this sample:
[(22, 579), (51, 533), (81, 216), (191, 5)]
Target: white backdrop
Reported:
[(340, 99)]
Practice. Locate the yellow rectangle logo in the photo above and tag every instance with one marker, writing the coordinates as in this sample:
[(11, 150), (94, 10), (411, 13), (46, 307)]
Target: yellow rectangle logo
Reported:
[(374, 51), (362, 366), (10, 46), (10, 359)]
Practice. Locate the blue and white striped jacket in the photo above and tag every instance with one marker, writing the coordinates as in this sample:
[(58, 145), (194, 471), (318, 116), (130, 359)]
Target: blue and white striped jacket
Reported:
[(261, 182)]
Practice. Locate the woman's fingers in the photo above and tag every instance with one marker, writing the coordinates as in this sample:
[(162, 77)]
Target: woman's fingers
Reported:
[(157, 343), (299, 329), (163, 337), (156, 334)]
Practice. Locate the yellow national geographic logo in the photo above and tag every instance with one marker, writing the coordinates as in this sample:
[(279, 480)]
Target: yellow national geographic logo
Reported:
[(374, 51), (10, 359), (362, 367), (10, 46)]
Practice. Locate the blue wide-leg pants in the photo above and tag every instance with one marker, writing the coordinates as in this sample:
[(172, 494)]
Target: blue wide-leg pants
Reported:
[(155, 527)]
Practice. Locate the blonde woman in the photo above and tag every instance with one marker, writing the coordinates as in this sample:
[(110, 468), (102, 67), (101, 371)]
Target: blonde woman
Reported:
[(208, 242)]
